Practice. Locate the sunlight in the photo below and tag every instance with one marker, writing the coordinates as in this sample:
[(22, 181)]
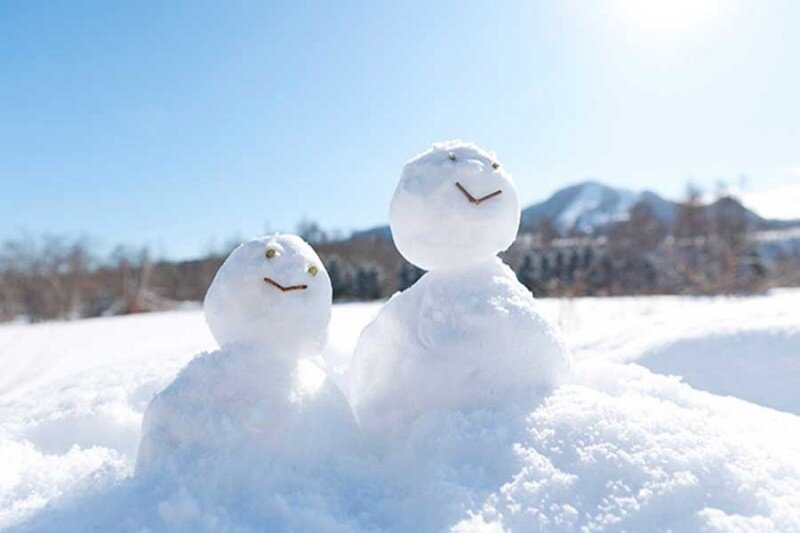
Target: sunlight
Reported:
[(667, 28), (669, 15)]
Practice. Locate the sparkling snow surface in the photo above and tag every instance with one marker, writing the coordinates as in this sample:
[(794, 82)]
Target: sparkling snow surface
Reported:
[(623, 446)]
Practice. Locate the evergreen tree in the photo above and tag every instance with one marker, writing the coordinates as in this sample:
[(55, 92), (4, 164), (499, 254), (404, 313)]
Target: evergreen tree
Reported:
[(526, 272), (560, 265), (588, 258), (408, 275), (572, 266), (545, 268), (367, 285), (340, 281)]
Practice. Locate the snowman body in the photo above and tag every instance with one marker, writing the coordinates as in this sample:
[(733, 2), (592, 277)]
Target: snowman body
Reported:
[(467, 335), (257, 398)]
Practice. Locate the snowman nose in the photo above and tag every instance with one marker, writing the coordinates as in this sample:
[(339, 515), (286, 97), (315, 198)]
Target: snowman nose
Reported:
[(472, 199)]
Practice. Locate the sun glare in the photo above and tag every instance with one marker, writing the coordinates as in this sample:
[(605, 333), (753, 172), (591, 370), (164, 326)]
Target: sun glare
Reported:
[(667, 15)]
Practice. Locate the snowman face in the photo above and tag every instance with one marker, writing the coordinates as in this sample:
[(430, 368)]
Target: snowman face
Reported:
[(272, 292), (455, 206)]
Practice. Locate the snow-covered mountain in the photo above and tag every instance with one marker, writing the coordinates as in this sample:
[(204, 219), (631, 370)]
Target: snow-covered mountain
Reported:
[(590, 205)]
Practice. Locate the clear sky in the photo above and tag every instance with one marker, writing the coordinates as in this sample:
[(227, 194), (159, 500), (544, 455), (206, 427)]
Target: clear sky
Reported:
[(180, 124)]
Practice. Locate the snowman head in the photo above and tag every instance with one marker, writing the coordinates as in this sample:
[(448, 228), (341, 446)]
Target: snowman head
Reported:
[(455, 206), (272, 293)]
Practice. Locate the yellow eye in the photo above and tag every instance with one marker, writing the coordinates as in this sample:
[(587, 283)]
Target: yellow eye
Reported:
[(313, 270), (270, 253)]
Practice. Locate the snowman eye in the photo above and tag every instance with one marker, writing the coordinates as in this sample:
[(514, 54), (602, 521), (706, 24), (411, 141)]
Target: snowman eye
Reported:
[(495, 165), (451, 156), (313, 270), (270, 253)]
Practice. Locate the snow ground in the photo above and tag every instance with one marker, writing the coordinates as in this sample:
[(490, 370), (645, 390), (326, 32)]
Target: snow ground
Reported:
[(617, 442)]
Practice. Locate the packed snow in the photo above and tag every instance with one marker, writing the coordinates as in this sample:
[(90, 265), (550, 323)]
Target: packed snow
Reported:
[(455, 204), (428, 349), (268, 308), (272, 293), (468, 335), (619, 438)]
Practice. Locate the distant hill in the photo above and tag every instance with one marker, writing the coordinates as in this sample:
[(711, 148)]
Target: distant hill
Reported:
[(590, 205), (378, 232)]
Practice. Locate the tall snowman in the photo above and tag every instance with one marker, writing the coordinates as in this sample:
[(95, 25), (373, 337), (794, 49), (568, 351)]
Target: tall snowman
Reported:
[(467, 335), (257, 399)]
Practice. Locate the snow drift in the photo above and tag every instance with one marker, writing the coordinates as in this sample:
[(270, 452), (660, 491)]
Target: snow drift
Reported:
[(618, 448)]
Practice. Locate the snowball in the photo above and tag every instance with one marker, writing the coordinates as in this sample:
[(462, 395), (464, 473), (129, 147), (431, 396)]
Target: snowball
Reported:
[(460, 338), (268, 307), (272, 302), (434, 223)]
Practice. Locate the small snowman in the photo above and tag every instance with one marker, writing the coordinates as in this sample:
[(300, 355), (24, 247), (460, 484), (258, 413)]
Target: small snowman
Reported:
[(467, 335), (258, 397)]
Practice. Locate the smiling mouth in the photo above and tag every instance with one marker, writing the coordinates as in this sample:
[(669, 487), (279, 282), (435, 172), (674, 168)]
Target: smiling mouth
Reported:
[(477, 201), (285, 289)]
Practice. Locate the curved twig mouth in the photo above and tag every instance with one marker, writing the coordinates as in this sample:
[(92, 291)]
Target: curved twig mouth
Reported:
[(477, 201), (285, 289)]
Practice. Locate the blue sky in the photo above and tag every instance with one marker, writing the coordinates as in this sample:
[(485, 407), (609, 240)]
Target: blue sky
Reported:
[(181, 124)]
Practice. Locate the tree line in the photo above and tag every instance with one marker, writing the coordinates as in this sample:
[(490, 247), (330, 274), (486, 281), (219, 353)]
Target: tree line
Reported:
[(706, 249), (57, 277)]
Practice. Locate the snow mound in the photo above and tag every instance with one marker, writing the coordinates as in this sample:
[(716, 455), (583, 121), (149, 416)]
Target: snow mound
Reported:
[(30, 478), (458, 338), (621, 448), (761, 365), (242, 403), (617, 448), (625, 449)]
